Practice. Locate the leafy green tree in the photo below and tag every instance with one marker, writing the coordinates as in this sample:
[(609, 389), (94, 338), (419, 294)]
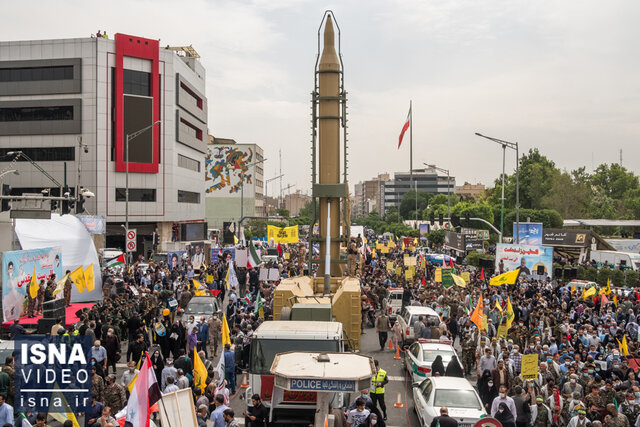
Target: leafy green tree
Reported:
[(614, 180), (408, 204), (435, 237)]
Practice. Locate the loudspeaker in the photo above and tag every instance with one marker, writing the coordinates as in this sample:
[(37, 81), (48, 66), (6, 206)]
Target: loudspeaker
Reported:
[(272, 251), (572, 272), (557, 273), (44, 325), (486, 263), (540, 271)]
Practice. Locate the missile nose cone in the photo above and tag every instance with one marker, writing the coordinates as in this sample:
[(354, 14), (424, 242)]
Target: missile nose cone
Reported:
[(329, 58)]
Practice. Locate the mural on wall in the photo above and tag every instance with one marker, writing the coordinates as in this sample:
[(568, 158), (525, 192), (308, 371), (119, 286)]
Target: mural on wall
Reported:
[(227, 168)]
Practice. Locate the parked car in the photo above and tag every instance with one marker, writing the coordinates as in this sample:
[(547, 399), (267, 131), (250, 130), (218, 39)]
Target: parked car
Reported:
[(421, 354), (205, 306), (409, 315)]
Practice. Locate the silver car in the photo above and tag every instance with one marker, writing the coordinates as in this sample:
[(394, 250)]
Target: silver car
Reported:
[(201, 306)]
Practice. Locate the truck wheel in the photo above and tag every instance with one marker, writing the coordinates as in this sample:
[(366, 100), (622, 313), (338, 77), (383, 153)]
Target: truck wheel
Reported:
[(285, 313)]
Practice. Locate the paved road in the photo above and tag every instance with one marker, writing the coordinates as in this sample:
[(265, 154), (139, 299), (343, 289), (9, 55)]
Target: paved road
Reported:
[(404, 416)]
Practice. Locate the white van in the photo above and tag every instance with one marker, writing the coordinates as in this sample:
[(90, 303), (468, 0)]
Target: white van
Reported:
[(409, 315)]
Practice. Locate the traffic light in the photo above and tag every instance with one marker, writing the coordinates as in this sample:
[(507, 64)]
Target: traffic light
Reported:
[(66, 207), (455, 220), (467, 219), (440, 219), (54, 205), (432, 218), (6, 203), (80, 204)]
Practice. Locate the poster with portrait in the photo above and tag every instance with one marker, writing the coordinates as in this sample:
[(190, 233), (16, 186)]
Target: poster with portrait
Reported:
[(17, 269), (196, 254), (535, 262), (174, 259)]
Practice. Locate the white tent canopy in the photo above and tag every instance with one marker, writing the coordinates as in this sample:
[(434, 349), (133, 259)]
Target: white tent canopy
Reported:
[(68, 233)]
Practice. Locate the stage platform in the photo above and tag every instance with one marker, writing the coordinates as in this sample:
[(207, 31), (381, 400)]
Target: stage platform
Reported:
[(70, 313)]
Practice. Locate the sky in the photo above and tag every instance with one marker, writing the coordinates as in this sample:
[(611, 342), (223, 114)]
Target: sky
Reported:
[(560, 76)]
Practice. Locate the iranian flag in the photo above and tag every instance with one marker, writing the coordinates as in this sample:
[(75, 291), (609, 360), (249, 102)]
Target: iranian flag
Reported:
[(405, 127), (253, 257), (116, 261), (144, 395)]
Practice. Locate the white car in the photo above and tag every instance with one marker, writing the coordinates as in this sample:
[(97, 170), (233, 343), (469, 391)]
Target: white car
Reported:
[(409, 315), (394, 301), (457, 394), (421, 354)]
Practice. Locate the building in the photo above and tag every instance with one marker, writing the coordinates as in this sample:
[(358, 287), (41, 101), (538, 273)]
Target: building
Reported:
[(295, 202), (234, 182), (367, 196), (474, 191), (71, 105), (392, 191)]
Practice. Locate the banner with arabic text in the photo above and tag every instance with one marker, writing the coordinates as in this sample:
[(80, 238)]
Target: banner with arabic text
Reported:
[(282, 235), (535, 262)]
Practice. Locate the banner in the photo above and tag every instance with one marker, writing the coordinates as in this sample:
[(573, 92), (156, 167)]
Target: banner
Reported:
[(438, 275), (530, 233), (502, 331), (282, 235), (390, 266), (466, 277), (424, 230), (447, 279), (228, 253), (566, 238), (410, 260), (17, 269), (529, 369), (453, 240), (93, 223), (528, 258)]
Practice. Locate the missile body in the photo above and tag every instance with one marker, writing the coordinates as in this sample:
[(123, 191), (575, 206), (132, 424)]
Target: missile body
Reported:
[(329, 143)]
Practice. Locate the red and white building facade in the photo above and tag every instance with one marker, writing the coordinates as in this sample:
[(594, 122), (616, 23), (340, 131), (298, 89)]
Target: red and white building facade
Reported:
[(73, 101)]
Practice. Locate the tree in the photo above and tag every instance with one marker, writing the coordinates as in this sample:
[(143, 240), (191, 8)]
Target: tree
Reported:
[(563, 184), (408, 204), (436, 237), (613, 180)]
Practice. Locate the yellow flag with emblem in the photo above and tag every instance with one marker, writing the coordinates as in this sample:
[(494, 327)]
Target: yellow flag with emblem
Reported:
[(226, 339), (589, 292), (498, 306), (33, 285), (608, 291), (199, 372), (458, 281), (90, 280), (508, 278), (60, 285), (77, 276), (510, 314)]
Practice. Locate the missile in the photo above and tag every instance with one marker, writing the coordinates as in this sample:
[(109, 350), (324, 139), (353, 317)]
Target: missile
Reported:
[(329, 144)]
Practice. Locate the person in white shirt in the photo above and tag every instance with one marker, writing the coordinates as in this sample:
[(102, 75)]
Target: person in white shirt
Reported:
[(171, 387)]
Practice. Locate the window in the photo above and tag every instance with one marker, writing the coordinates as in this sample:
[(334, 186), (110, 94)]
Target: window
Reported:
[(191, 129), (136, 195), (30, 74), (197, 99), (188, 197), (188, 163), (32, 114), (136, 82), (47, 154), (456, 398)]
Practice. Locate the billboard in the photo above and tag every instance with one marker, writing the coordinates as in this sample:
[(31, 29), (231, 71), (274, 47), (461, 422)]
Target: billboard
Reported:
[(566, 238), (530, 233), (535, 262), (174, 258), (453, 240), (424, 230), (229, 168), (17, 269)]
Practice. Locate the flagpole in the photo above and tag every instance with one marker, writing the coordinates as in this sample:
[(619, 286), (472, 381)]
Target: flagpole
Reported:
[(410, 143)]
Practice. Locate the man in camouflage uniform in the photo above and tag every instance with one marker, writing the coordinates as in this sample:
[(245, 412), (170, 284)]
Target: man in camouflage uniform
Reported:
[(97, 384), (40, 296), (542, 416), (114, 395), (630, 408), (594, 398), (8, 369), (67, 290), (215, 332), (31, 303), (468, 353)]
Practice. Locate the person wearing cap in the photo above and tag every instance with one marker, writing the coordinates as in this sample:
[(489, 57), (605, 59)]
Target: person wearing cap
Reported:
[(572, 386), (579, 420), (630, 408), (202, 414)]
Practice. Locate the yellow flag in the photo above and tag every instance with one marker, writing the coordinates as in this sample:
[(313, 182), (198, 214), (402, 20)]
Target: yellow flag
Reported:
[(60, 285), (33, 285), (200, 293), (510, 314), (199, 372), (226, 339), (508, 278), (608, 291), (498, 306), (283, 235), (196, 284), (403, 247), (476, 316), (615, 299), (90, 279), (459, 281), (132, 383), (77, 276), (589, 292), (373, 253), (67, 414), (235, 240), (622, 346)]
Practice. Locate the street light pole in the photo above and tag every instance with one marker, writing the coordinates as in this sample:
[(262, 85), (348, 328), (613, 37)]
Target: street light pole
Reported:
[(514, 146), (128, 138)]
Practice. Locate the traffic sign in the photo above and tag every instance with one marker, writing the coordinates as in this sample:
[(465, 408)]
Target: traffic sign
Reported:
[(488, 422), (132, 237)]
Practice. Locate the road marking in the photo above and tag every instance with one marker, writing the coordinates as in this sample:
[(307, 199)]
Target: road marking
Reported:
[(395, 378)]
